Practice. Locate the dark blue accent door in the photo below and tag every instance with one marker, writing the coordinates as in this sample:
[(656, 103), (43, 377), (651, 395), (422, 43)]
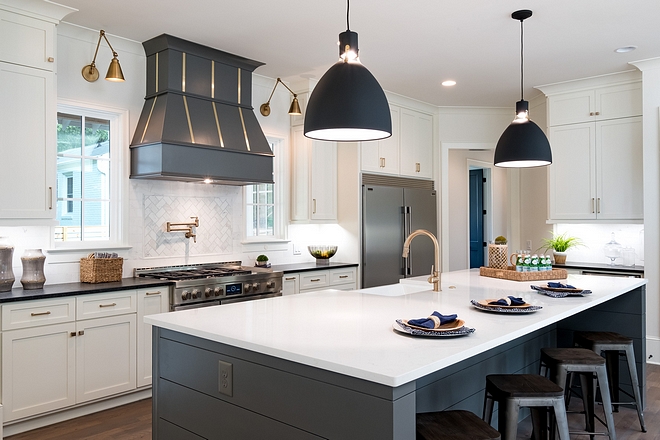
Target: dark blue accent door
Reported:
[(476, 218)]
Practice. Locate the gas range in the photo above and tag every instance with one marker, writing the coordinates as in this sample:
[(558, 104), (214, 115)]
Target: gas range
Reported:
[(209, 284)]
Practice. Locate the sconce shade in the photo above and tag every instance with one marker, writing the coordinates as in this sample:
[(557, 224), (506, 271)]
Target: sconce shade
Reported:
[(294, 109), (348, 105), (114, 71)]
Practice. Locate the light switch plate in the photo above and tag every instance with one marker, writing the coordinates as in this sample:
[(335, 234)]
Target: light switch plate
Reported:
[(225, 378), (296, 249)]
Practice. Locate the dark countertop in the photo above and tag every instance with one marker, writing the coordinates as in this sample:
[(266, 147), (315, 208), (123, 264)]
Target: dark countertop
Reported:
[(71, 289), (600, 266), (308, 266)]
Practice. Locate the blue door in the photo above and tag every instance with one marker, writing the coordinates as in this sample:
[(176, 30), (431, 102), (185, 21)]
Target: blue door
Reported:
[(476, 218)]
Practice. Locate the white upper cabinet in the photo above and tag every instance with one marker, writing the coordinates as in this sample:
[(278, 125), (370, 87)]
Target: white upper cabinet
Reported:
[(613, 102), (313, 179), (27, 41), (408, 152), (596, 140)]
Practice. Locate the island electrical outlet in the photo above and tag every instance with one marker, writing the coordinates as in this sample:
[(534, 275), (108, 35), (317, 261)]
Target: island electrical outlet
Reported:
[(225, 378)]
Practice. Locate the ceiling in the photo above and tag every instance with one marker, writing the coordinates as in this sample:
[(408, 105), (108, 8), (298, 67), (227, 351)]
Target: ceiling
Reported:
[(410, 47)]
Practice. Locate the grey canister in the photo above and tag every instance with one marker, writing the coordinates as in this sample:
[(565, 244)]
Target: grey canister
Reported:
[(6, 257), (33, 269)]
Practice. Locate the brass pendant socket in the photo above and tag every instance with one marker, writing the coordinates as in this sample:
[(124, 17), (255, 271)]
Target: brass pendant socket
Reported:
[(90, 73)]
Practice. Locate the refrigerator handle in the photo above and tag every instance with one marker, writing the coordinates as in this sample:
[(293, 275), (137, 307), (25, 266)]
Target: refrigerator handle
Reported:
[(407, 229)]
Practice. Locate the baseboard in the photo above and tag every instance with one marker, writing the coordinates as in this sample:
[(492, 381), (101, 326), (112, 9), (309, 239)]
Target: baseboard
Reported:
[(19, 426), (653, 350)]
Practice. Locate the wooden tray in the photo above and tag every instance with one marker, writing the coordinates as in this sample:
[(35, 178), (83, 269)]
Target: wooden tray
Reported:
[(511, 274)]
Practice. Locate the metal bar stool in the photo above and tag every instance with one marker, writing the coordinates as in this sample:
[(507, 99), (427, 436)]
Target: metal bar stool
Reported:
[(513, 391), (454, 425), (559, 362), (612, 344)]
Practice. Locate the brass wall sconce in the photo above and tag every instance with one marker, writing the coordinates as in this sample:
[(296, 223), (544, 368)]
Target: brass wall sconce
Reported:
[(185, 227), (91, 73), (294, 109)]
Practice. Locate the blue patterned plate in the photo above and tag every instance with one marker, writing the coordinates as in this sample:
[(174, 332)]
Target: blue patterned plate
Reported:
[(400, 327), (559, 293), (496, 309)]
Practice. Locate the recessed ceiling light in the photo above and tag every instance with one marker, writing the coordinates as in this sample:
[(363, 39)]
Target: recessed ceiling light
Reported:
[(449, 83), (207, 180), (625, 49)]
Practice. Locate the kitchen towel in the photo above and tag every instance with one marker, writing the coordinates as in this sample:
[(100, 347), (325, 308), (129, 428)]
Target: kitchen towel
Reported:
[(508, 301), (433, 321)]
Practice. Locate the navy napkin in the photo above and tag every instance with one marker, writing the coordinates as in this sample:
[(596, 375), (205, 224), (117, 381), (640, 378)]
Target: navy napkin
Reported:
[(509, 301), (430, 322), (560, 286)]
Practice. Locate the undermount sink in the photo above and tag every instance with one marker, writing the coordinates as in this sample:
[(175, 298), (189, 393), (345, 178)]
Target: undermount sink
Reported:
[(395, 289)]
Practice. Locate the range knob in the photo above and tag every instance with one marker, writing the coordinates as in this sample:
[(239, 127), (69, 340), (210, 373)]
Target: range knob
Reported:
[(256, 286), (248, 287), (196, 293), (208, 292), (185, 295), (270, 284), (217, 291)]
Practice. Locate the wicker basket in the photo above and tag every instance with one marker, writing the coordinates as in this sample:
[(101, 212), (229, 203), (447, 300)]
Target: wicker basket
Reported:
[(100, 270)]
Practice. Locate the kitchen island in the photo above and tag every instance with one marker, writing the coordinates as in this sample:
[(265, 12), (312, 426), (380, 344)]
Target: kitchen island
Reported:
[(329, 364)]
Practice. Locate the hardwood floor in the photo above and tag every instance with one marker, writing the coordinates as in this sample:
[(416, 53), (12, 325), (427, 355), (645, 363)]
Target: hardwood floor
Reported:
[(133, 421)]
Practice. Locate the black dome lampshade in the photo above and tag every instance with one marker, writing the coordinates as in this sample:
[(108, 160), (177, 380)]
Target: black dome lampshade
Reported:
[(523, 144), (348, 104)]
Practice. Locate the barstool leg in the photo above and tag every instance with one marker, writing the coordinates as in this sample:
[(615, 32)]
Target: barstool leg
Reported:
[(560, 417), (612, 364), (630, 357), (488, 409), (588, 400), (508, 419), (601, 374)]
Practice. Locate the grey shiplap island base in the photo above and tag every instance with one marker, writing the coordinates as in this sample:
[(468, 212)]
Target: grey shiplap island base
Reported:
[(278, 398)]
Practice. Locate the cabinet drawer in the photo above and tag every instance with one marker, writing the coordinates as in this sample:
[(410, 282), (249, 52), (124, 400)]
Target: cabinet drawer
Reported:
[(106, 304), (342, 276), (315, 280), (40, 312)]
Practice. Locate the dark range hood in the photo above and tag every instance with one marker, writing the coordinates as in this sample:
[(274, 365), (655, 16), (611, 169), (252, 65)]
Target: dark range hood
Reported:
[(197, 122)]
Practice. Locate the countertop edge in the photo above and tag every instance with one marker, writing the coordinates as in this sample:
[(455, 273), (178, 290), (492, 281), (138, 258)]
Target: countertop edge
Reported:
[(309, 266)]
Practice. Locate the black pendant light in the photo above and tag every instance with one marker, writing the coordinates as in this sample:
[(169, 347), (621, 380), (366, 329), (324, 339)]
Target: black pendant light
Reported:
[(523, 144), (348, 104)]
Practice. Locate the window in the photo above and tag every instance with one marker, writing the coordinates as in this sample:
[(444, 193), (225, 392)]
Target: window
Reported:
[(88, 176), (264, 204)]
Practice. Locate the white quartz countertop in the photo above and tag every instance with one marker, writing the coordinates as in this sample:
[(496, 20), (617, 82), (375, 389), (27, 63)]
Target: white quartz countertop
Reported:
[(350, 332)]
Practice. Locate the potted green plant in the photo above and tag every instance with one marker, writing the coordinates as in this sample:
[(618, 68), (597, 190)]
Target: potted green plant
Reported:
[(262, 261), (560, 243)]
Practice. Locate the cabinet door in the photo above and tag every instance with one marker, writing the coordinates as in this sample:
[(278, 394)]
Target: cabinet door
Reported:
[(290, 284), (38, 370), (149, 302), (571, 108), (324, 181), (619, 168), (619, 101), (383, 156), (573, 172), (27, 141), (300, 178), (416, 148), (27, 41), (317, 280), (343, 276), (105, 357)]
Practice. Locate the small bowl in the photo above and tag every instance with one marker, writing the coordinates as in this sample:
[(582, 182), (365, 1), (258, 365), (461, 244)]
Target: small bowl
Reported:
[(322, 253)]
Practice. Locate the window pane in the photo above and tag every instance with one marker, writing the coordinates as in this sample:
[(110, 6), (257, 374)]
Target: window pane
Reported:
[(270, 224), (254, 190), (97, 137), (69, 177), (96, 221), (69, 136), (97, 181), (69, 218)]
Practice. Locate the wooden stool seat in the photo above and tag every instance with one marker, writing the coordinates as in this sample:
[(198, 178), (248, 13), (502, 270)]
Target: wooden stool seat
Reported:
[(454, 425), (611, 344), (561, 362), (513, 391)]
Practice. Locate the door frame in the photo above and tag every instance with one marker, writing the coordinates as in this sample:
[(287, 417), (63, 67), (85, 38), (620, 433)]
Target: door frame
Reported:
[(488, 204)]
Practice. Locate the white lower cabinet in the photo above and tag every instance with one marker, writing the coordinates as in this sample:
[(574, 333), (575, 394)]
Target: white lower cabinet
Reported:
[(149, 302), (310, 281), (71, 350)]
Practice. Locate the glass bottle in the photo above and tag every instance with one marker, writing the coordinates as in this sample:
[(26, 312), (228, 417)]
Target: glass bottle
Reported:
[(33, 269), (6, 257)]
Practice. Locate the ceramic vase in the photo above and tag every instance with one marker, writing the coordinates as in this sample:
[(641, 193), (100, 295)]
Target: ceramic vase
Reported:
[(560, 257), (33, 269), (6, 257)]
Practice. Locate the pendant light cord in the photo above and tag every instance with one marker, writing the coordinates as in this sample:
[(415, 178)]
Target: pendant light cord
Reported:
[(348, 8), (522, 73)]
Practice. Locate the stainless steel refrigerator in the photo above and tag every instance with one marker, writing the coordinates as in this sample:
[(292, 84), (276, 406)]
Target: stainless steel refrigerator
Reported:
[(389, 215)]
